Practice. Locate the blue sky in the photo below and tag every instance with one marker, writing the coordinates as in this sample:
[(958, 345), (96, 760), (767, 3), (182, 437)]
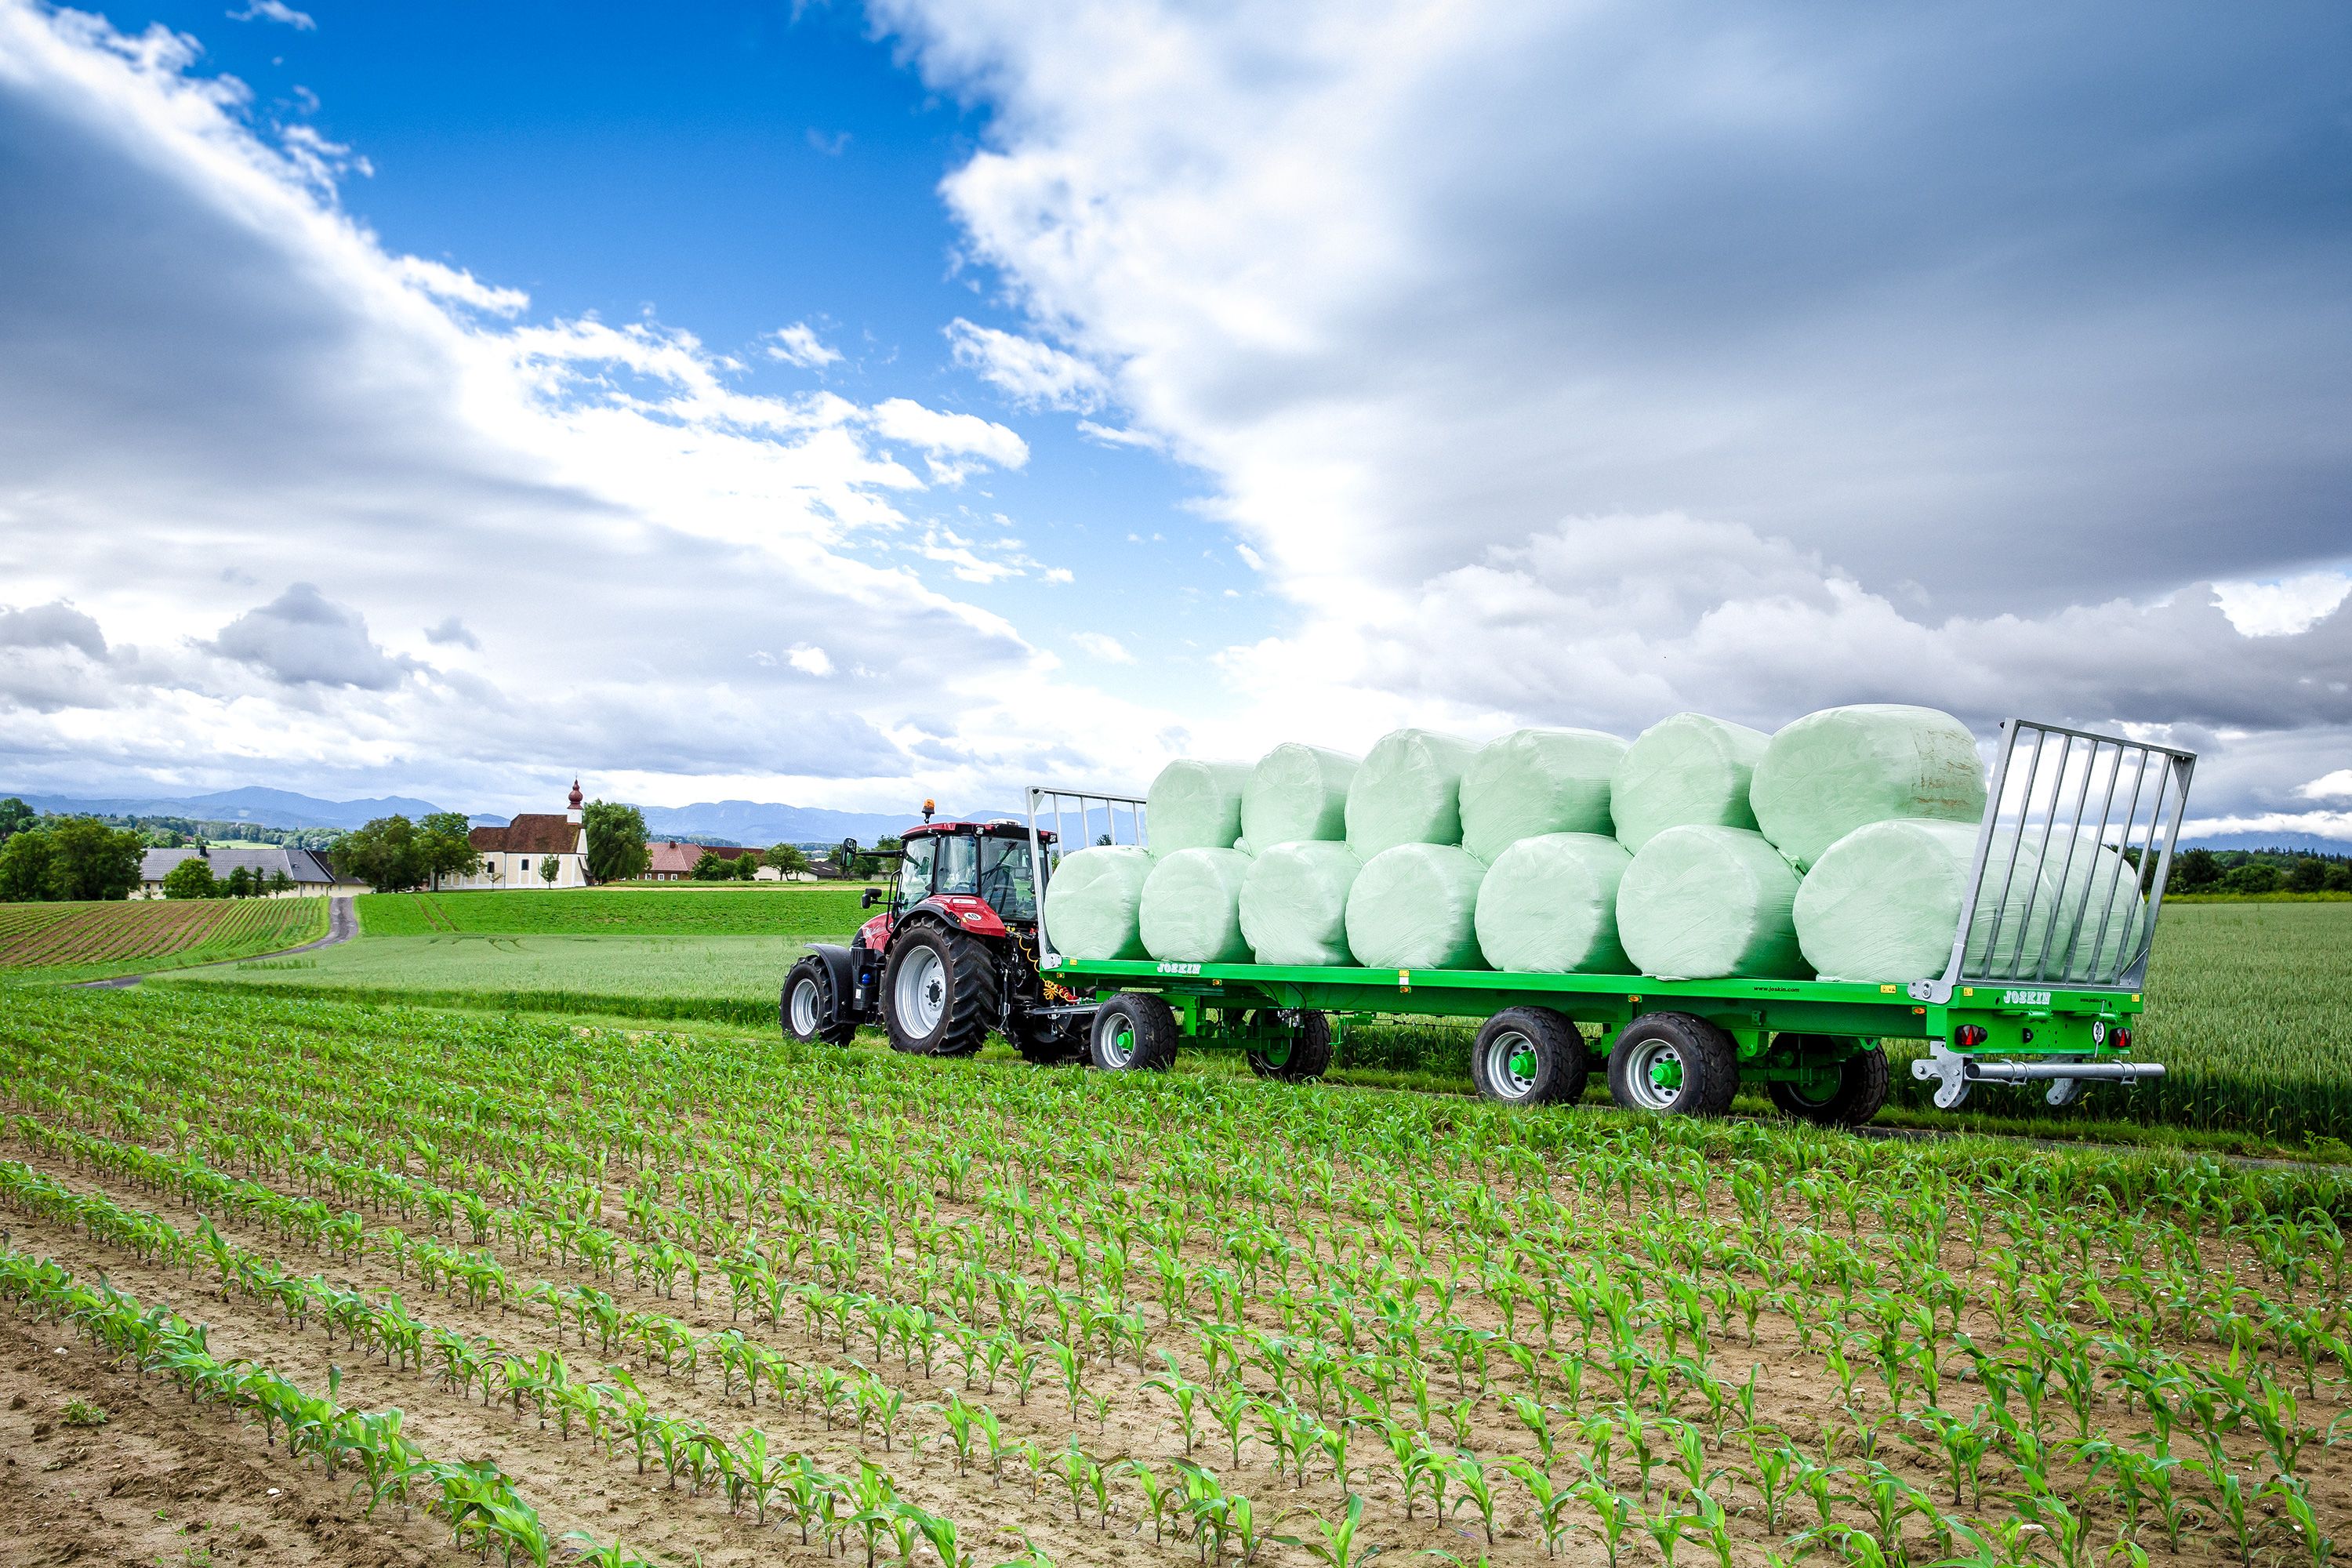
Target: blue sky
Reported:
[(846, 404)]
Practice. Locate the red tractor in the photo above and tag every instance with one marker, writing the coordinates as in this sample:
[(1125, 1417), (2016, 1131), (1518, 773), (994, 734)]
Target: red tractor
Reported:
[(953, 956)]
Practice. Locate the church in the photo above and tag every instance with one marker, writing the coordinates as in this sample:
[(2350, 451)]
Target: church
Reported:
[(518, 855)]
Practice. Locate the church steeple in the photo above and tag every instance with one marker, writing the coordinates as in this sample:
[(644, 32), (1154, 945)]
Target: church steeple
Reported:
[(572, 811)]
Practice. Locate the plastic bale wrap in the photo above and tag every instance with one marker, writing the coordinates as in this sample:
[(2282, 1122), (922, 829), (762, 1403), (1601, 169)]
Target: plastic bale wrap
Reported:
[(1295, 903), (1537, 781), (1196, 805), (1829, 772), (1689, 769), (2059, 917), (1709, 903), (1094, 902), (1416, 907), (1881, 903), (1191, 907), (1409, 791), (1298, 793), (1548, 906)]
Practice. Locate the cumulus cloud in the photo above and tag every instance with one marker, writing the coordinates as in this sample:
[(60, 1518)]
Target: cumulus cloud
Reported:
[(451, 632), (302, 639), (51, 625), (1031, 373)]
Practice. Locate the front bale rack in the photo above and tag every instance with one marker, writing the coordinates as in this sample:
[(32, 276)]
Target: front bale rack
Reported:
[(2016, 1004)]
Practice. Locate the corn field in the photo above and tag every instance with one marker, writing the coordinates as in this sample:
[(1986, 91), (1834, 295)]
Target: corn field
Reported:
[(122, 935), (525, 1290)]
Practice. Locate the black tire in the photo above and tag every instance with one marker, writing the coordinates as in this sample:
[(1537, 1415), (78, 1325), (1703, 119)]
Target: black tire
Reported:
[(1042, 1044), (817, 1020), (1132, 1032), (1305, 1057), (1860, 1094), (1672, 1064), (1530, 1056), (938, 993)]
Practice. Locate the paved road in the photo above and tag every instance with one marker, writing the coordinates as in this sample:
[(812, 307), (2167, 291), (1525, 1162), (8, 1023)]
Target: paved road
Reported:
[(343, 925)]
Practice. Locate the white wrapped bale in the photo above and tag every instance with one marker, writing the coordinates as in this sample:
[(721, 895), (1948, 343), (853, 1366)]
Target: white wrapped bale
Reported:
[(1196, 805), (1689, 769), (1533, 781), (1707, 903), (1094, 902), (1415, 906), (1881, 903), (1295, 903), (1409, 791), (1829, 772), (1298, 793), (1548, 906), (1191, 907)]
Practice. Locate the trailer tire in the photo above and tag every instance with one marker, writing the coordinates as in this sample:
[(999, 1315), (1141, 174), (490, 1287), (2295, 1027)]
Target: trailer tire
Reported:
[(1530, 1056), (1132, 1032), (1302, 1058), (809, 1009), (1672, 1064), (1044, 1045), (1860, 1094), (938, 993)]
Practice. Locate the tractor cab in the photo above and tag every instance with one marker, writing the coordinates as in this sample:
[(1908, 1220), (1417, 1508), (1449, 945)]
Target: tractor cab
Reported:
[(966, 864)]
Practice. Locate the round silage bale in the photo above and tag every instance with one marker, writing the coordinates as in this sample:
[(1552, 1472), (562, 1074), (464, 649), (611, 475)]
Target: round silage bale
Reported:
[(1298, 793), (1407, 791), (1415, 906), (1689, 770), (1537, 781), (1196, 805), (1707, 903), (1094, 902), (1829, 773), (1881, 903), (1191, 907), (1294, 902), (1548, 906)]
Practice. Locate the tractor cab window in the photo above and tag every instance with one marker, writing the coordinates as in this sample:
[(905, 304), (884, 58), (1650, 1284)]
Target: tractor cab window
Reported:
[(915, 870), (1004, 879), (959, 865)]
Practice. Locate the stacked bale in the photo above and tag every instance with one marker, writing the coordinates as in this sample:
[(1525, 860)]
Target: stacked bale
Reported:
[(1548, 906), (1689, 769), (1415, 906), (1707, 903), (1196, 805), (1094, 903), (1407, 791), (1293, 903), (1534, 781), (1191, 908), (1298, 793), (1831, 772)]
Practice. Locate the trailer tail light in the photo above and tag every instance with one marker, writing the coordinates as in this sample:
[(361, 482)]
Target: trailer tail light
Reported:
[(2120, 1039), (1968, 1036)]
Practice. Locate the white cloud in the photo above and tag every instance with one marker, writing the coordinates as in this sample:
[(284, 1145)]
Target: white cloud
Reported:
[(2337, 785), (2280, 608), (275, 11), (302, 639), (459, 287), (810, 660), (1107, 648), (452, 633), (798, 344), (1029, 372), (1109, 436), (2320, 823)]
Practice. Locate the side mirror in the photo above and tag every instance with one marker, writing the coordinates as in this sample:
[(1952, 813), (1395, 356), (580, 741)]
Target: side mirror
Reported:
[(868, 898)]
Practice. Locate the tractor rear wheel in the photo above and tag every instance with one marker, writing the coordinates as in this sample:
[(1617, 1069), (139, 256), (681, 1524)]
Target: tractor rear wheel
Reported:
[(1530, 1056), (1133, 1033), (1302, 1057), (1672, 1064), (810, 1008), (1845, 1094), (938, 993)]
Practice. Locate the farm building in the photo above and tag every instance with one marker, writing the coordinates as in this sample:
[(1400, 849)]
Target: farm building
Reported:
[(310, 873), (673, 859)]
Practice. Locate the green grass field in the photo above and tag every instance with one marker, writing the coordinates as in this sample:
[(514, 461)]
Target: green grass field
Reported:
[(823, 910)]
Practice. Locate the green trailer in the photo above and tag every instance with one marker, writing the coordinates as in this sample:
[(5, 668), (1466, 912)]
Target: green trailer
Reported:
[(2068, 810)]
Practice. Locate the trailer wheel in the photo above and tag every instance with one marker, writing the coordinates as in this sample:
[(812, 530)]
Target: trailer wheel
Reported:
[(1133, 1033), (938, 993), (810, 1010), (1044, 1044), (1528, 1056), (1858, 1093), (1303, 1057), (1672, 1064)]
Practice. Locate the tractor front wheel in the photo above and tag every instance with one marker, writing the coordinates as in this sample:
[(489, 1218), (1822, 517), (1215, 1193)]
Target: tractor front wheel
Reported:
[(810, 1008), (938, 993)]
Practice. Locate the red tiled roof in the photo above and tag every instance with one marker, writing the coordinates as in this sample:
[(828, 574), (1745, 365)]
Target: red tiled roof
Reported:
[(677, 857), (533, 832)]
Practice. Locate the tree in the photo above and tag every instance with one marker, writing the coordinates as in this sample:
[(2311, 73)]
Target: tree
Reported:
[(384, 855), (2195, 871), (712, 867), (90, 860), (788, 859), (616, 841), (238, 884), (2307, 875), (745, 868), (15, 816), (445, 844), (2254, 877), (191, 878), (279, 882), (547, 868), (25, 867)]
